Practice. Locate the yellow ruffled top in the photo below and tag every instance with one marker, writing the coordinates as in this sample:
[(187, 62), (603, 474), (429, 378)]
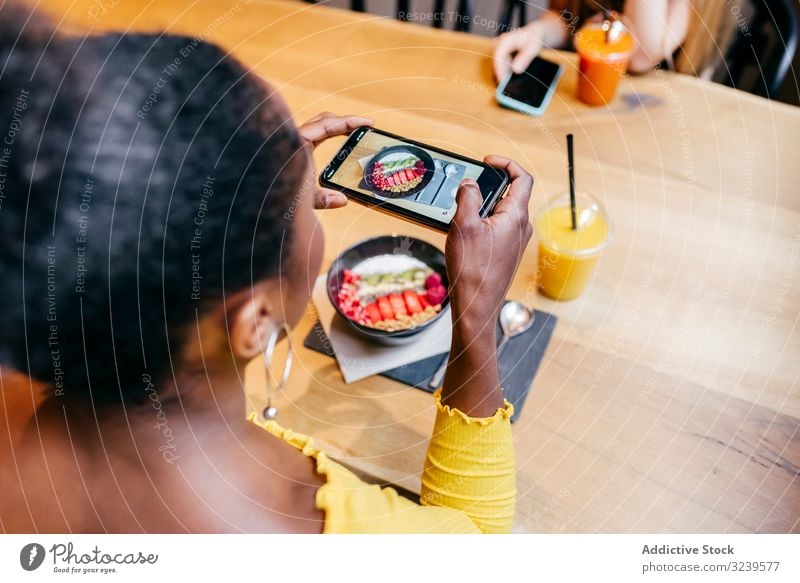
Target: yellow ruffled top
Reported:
[(467, 480)]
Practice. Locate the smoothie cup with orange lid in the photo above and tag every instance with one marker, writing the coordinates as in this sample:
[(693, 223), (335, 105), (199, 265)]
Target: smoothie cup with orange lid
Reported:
[(568, 257), (603, 61)]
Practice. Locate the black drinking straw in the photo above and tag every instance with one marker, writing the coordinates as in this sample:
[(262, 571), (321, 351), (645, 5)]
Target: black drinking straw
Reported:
[(571, 158)]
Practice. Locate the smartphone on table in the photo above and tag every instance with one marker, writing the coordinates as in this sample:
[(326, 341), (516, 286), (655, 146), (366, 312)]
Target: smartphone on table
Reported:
[(408, 178), (530, 92)]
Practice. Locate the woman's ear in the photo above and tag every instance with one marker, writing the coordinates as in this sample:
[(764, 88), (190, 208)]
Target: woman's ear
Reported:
[(251, 323)]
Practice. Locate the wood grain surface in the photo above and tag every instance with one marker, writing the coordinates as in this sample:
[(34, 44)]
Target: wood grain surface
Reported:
[(669, 398)]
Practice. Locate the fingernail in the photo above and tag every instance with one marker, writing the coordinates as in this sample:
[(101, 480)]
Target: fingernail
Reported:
[(332, 199)]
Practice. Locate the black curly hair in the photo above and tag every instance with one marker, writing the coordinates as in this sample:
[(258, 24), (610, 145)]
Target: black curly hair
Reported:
[(142, 177)]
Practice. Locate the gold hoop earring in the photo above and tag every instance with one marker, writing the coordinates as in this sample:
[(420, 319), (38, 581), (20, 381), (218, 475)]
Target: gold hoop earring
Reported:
[(271, 411)]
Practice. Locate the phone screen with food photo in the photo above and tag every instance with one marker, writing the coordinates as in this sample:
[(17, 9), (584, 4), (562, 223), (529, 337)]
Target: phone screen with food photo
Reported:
[(417, 179)]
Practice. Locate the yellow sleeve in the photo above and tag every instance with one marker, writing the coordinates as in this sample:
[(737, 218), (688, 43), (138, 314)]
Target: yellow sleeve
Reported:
[(467, 483), (470, 467), (353, 506)]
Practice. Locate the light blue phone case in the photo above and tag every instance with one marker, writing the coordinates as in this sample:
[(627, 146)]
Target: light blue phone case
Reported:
[(512, 103)]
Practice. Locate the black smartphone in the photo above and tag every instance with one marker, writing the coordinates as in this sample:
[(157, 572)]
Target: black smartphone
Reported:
[(407, 178), (530, 92)]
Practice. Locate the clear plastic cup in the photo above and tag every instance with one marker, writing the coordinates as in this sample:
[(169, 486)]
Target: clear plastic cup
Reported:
[(602, 64), (567, 258)]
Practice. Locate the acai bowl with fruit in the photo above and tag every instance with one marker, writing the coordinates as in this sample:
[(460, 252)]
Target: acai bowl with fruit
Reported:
[(389, 288)]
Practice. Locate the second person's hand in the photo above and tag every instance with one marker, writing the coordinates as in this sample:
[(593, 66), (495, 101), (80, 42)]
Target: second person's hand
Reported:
[(515, 50)]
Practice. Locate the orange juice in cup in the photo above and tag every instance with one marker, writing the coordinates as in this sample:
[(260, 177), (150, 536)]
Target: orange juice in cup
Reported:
[(603, 61), (567, 256)]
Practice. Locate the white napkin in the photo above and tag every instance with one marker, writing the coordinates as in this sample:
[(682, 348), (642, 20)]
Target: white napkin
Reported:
[(359, 357)]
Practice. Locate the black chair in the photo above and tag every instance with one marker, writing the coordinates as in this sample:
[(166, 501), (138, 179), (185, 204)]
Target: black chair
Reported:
[(356, 5), (510, 9), (462, 15), (761, 55)]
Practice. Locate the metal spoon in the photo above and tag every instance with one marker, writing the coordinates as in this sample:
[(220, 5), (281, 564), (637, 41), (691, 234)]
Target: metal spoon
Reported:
[(515, 318)]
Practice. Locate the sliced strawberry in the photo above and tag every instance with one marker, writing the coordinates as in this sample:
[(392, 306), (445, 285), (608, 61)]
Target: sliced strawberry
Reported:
[(412, 301), (398, 305), (373, 312), (423, 300), (385, 308)]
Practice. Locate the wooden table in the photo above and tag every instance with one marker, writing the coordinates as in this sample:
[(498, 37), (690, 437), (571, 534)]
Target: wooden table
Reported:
[(668, 400)]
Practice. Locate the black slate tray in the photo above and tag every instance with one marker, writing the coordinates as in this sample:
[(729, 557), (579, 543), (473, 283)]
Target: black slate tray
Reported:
[(518, 364)]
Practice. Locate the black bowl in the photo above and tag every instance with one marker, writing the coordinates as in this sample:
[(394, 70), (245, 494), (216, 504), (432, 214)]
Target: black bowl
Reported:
[(429, 254), (411, 150)]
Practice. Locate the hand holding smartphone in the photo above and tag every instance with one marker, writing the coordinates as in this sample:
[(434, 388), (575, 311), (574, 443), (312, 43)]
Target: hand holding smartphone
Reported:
[(407, 178), (482, 257), (530, 92)]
